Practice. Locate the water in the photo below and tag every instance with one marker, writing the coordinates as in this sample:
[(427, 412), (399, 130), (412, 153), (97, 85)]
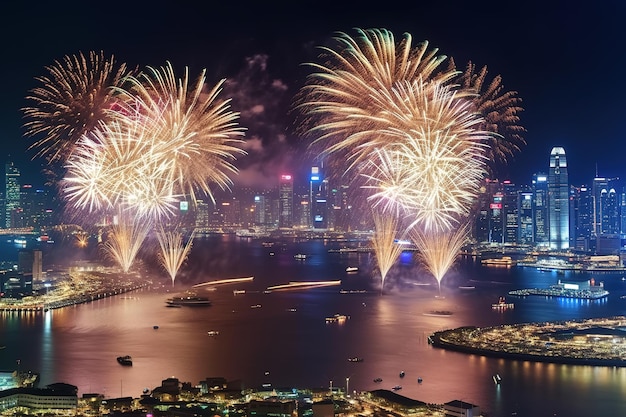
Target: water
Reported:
[(287, 342)]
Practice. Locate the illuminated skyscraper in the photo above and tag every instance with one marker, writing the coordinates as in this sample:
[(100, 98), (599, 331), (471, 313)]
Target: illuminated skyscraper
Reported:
[(525, 217), (558, 200), (318, 195), (12, 193), (540, 209), (285, 201), (605, 206)]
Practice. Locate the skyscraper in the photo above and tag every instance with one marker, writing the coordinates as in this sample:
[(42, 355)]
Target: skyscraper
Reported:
[(285, 201), (540, 209), (12, 193), (558, 200)]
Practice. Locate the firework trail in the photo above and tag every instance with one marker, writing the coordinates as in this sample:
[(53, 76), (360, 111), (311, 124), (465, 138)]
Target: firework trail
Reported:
[(71, 101), (197, 131), (439, 249), (125, 238), (173, 251), (384, 243)]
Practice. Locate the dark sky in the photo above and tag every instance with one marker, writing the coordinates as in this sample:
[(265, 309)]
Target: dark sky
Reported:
[(566, 60)]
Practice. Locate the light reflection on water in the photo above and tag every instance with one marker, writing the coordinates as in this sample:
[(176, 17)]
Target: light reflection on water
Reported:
[(78, 345)]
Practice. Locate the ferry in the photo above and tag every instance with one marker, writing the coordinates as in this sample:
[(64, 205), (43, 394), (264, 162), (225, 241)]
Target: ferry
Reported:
[(191, 301), (352, 269), (505, 261), (587, 290), (355, 359), (213, 332), (337, 318), (502, 305)]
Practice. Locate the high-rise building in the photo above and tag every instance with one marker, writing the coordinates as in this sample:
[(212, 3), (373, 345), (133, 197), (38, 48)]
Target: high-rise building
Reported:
[(318, 196), (540, 209), (581, 216), (12, 194), (285, 201), (202, 214), (510, 212), (558, 200), (525, 217), (605, 206)]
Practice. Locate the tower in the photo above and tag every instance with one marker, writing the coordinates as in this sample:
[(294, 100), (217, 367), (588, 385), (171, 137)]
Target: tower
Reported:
[(558, 200), (285, 201), (540, 209), (12, 193)]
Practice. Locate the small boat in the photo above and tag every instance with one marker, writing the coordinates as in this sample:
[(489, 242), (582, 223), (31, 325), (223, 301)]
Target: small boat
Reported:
[(355, 359), (125, 360), (402, 374), (190, 300), (352, 269), (213, 332), (377, 380), (397, 387), (299, 256), (419, 380), (502, 304), (155, 327), (497, 379)]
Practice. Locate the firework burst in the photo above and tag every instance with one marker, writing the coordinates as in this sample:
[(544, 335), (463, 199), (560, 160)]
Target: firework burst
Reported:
[(197, 129), (71, 101), (346, 98), (174, 251), (500, 111)]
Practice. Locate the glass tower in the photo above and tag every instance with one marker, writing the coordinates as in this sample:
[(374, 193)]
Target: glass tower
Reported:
[(558, 200), (12, 193)]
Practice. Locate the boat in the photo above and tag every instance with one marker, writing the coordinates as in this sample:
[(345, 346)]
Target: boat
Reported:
[(155, 327), (442, 313), (397, 388), (505, 261), (125, 360), (213, 332), (299, 256), (497, 379), (190, 300), (355, 359), (502, 305), (419, 380), (378, 380), (337, 318), (352, 269), (402, 374)]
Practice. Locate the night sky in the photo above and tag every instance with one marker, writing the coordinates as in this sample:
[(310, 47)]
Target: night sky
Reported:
[(564, 58)]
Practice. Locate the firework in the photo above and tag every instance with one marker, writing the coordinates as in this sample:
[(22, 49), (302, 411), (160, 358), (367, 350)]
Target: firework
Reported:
[(500, 110), (438, 249), (346, 97), (121, 166), (384, 243), (72, 100), (173, 251), (125, 238), (196, 129), (433, 163)]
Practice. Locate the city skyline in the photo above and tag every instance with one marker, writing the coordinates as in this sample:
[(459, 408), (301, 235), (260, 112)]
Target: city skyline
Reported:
[(537, 49)]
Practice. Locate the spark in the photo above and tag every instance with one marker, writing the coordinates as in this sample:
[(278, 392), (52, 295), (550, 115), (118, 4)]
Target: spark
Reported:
[(384, 243), (174, 251), (71, 101), (124, 239), (197, 127), (438, 249)]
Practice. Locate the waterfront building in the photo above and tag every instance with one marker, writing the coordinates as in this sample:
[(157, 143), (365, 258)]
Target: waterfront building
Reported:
[(35, 207), (53, 397), (605, 206), (510, 213), (581, 218), (202, 214), (458, 408), (259, 210), (318, 197), (525, 217), (540, 209), (285, 201), (12, 195), (558, 200)]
